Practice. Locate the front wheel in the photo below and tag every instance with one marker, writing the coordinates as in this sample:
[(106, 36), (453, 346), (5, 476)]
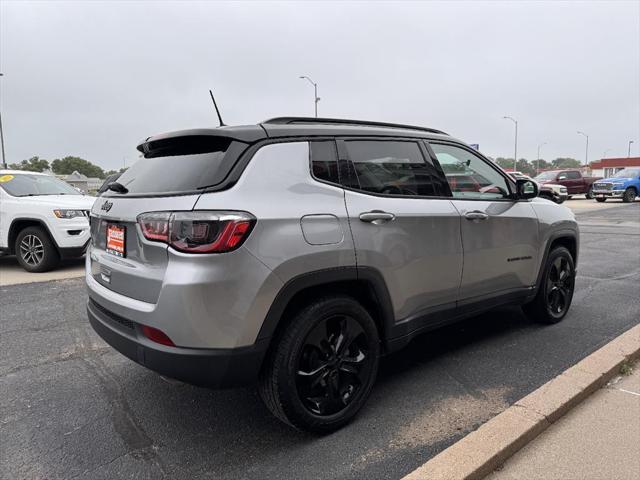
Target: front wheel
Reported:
[(322, 368), (601, 199), (555, 291), (589, 194), (629, 195), (35, 250)]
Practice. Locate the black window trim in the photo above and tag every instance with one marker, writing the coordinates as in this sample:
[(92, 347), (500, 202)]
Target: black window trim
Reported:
[(335, 148), (510, 182), (346, 165)]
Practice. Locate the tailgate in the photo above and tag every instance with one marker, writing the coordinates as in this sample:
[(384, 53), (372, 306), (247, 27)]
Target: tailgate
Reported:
[(137, 272)]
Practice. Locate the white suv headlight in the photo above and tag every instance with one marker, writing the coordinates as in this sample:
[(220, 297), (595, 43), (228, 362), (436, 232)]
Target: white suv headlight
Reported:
[(65, 213)]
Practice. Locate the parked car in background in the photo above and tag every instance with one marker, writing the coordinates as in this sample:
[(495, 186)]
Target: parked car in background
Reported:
[(227, 256), (42, 219), (575, 182), (625, 185), (550, 191)]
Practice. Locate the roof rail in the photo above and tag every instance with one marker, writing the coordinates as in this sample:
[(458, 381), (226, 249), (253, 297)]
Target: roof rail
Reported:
[(342, 121)]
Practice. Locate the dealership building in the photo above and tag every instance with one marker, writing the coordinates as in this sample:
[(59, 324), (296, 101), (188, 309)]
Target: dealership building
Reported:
[(607, 167)]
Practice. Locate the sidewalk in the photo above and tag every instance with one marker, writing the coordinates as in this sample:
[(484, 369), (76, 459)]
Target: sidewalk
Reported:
[(598, 440)]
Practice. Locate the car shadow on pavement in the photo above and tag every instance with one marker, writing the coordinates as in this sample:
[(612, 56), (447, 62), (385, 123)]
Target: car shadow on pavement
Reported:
[(205, 427)]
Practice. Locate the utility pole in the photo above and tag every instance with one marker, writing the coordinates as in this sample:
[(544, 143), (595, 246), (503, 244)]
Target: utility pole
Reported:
[(586, 151), (628, 150), (316, 98), (4, 158), (538, 162), (515, 150)]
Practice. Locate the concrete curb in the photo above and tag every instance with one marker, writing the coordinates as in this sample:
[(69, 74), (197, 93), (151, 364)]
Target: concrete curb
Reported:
[(488, 447)]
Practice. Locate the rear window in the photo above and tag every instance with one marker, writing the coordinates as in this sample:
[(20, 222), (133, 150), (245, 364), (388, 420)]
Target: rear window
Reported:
[(181, 165)]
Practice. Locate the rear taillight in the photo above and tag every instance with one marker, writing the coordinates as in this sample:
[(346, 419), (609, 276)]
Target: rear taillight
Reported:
[(198, 231)]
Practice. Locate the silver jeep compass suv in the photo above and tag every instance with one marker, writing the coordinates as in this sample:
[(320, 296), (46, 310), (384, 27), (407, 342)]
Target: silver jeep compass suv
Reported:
[(294, 253)]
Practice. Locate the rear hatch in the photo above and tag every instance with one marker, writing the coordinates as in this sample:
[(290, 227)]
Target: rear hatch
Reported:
[(171, 178)]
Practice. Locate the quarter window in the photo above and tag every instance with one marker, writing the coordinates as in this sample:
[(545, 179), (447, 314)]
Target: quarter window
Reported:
[(469, 176), (393, 168), (324, 160)]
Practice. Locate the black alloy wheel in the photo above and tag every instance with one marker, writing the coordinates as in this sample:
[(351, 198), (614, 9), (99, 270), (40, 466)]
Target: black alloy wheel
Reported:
[(322, 365), (555, 291), (333, 365), (559, 286)]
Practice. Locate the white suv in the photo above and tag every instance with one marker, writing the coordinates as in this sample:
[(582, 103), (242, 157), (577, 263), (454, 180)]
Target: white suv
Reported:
[(42, 219)]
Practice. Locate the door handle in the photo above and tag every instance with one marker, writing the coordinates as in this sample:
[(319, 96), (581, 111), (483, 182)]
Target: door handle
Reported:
[(476, 216), (377, 217)]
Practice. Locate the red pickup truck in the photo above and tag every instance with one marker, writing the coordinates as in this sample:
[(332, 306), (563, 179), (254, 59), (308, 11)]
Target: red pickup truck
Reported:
[(572, 179)]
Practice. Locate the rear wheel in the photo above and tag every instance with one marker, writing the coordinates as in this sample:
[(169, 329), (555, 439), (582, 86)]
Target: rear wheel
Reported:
[(629, 195), (601, 199), (589, 194), (35, 250), (555, 292), (322, 368)]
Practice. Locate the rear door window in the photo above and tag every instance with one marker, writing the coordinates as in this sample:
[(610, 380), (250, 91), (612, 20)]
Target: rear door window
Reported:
[(180, 166), (393, 167)]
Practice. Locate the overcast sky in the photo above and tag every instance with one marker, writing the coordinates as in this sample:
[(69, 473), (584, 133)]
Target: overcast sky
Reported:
[(91, 79)]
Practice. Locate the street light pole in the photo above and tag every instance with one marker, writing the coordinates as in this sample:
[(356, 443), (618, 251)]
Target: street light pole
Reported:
[(4, 158), (586, 151), (316, 98), (515, 149), (538, 162), (628, 151)]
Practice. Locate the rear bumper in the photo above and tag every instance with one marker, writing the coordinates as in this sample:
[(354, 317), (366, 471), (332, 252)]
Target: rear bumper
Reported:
[(218, 368)]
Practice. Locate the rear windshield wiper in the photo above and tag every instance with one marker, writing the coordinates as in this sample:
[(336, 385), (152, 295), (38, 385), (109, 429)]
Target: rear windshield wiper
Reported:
[(117, 187)]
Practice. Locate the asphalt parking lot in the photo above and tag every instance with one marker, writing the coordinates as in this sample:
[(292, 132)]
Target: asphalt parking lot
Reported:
[(71, 407)]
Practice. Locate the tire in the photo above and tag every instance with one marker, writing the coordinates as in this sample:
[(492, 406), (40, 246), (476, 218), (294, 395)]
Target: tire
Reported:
[(601, 200), (549, 307), (589, 193), (302, 373), (629, 195), (569, 197), (35, 250)]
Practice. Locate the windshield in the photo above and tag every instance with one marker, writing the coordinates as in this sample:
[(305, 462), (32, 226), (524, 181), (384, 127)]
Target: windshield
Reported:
[(546, 176), (24, 184), (628, 172)]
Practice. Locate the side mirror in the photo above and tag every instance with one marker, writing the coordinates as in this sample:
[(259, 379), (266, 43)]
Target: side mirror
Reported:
[(562, 177), (526, 189)]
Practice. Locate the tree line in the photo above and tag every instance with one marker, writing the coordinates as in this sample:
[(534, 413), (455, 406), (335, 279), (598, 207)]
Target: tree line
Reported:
[(531, 168), (67, 165), (63, 166)]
